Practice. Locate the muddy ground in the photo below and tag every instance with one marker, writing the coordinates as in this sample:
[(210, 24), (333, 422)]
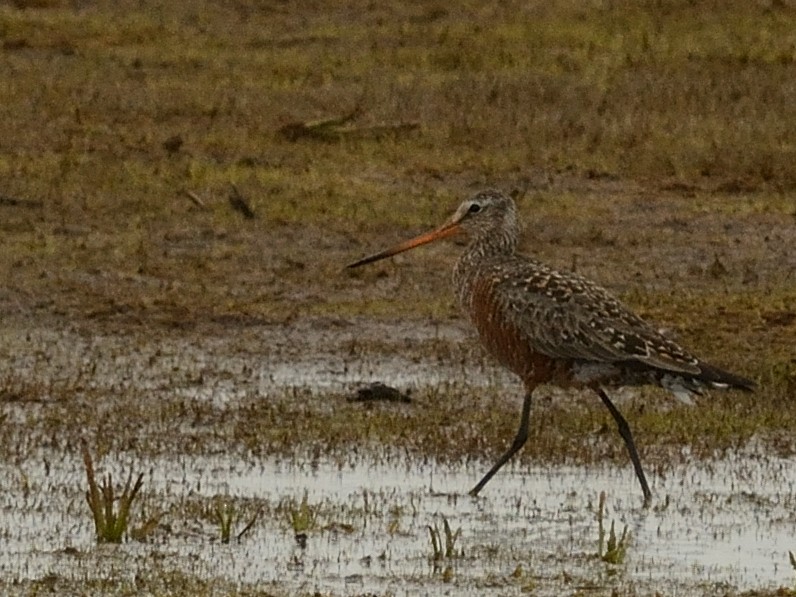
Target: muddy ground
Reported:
[(217, 350)]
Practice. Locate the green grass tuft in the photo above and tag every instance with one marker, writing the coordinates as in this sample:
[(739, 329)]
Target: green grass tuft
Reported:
[(227, 516), (110, 521), (614, 550)]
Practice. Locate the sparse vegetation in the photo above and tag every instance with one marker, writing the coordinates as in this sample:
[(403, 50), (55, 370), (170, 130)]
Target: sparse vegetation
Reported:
[(614, 550), (443, 541), (227, 517), (302, 520), (443, 548), (181, 183), (110, 518), (792, 559)]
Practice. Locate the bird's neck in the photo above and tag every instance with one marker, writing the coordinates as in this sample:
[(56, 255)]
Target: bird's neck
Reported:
[(490, 245), (482, 251)]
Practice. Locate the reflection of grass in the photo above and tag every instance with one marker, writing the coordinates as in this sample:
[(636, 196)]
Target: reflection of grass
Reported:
[(110, 524), (614, 550)]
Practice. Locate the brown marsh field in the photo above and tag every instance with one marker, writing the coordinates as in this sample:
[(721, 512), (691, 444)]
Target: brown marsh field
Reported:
[(181, 185)]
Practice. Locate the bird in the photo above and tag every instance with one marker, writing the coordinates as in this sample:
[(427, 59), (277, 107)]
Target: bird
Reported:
[(549, 326)]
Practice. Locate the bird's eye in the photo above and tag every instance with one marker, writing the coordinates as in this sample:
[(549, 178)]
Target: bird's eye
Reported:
[(474, 208)]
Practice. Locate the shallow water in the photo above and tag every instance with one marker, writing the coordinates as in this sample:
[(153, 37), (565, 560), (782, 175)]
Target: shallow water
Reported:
[(714, 526), (727, 523)]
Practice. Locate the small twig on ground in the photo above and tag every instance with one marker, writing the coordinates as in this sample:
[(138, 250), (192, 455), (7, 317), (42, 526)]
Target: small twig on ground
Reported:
[(195, 199), (339, 128), (16, 202), (317, 129)]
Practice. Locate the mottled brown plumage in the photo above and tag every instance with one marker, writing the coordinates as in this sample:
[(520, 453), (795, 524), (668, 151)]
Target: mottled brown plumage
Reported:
[(550, 326)]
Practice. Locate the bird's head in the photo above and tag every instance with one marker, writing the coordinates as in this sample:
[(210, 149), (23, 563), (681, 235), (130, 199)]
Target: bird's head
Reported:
[(486, 214)]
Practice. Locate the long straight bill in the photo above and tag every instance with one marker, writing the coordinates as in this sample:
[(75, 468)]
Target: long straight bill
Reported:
[(443, 231)]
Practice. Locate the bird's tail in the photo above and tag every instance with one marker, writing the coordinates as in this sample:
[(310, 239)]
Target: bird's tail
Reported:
[(718, 378)]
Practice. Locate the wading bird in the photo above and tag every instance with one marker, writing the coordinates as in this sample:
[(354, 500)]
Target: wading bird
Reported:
[(550, 326)]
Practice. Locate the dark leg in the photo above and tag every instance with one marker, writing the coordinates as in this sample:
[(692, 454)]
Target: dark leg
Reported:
[(519, 442), (624, 431)]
